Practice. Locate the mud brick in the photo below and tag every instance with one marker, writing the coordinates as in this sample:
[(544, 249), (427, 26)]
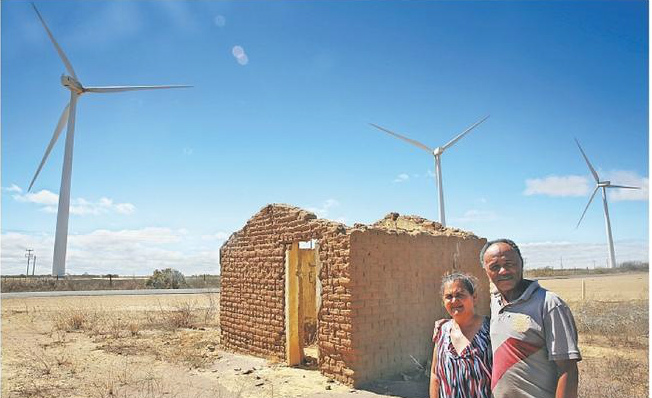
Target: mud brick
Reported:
[(379, 284)]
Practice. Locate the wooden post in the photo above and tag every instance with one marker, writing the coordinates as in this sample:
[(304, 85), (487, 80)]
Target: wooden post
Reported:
[(583, 289)]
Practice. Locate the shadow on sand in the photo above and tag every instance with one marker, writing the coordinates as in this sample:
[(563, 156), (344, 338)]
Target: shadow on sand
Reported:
[(404, 389)]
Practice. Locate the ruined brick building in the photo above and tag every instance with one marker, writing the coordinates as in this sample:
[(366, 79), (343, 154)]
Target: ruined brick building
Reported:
[(367, 295)]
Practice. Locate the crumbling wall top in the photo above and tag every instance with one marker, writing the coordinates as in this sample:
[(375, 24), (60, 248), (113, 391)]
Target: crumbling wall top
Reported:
[(415, 225), (285, 214)]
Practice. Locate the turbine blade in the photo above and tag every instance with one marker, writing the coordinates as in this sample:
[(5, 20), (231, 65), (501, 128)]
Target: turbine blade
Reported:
[(595, 174), (454, 140), (62, 55), (118, 89), (413, 142), (63, 119), (622, 186), (587, 206)]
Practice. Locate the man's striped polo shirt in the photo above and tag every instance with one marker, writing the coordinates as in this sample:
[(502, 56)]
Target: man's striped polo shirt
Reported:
[(527, 336)]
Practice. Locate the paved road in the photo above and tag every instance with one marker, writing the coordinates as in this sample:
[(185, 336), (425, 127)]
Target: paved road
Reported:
[(108, 292)]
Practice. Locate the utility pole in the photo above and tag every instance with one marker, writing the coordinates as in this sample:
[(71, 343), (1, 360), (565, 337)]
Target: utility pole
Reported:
[(29, 256)]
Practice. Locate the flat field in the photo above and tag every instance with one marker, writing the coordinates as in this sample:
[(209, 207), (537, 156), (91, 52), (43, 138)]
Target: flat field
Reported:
[(169, 346), (615, 287), (136, 346)]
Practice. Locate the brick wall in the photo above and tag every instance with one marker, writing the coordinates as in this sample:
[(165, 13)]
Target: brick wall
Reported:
[(395, 295), (252, 260), (334, 328), (379, 288)]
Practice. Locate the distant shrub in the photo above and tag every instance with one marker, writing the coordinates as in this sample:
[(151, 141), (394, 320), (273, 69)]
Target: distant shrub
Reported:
[(168, 278), (635, 266)]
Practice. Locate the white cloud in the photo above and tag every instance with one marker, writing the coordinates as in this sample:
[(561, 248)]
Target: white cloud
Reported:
[(150, 235), (580, 255), (558, 186), (13, 188), (322, 212), (402, 178), (125, 208), (78, 206), (325, 211), (124, 252), (474, 215), (628, 178), (218, 236), (42, 197)]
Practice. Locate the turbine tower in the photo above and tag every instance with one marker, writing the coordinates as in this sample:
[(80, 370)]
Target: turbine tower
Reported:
[(604, 185), (437, 152), (73, 84)]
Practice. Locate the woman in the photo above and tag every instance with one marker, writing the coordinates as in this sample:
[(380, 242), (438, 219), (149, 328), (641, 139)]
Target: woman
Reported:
[(461, 360)]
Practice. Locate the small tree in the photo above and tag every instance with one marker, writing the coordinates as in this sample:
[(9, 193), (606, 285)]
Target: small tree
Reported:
[(168, 278)]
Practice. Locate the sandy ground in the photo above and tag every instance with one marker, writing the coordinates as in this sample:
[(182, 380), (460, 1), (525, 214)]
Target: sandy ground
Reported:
[(169, 346), (633, 286), (103, 358)]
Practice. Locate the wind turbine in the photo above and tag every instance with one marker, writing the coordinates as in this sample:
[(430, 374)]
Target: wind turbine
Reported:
[(437, 152), (604, 185), (73, 84)]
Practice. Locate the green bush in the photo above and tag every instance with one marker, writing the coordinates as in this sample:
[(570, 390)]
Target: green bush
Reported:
[(168, 278)]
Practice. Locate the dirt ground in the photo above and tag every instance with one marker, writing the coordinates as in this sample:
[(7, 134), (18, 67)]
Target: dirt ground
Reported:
[(618, 287), (145, 346), (169, 346)]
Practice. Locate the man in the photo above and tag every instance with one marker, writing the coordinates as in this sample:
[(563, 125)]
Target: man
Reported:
[(533, 334)]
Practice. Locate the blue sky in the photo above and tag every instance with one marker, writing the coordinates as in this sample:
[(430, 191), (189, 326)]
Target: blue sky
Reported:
[(283, 94)]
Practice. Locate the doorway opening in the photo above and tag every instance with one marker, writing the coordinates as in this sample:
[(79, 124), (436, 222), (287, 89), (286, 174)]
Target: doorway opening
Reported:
[(302, 302)]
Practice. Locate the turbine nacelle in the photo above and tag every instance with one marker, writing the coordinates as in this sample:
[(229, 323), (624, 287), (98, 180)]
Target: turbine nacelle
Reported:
[(438, 151), (604, 183), (72, 84)]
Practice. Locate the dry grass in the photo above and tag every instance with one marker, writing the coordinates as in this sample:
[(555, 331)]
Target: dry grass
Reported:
[(618, 287), (618, 330), (70, 319), (48, 283), (620, 323), (614, 377), (107, 323), (181, 331), (77, 283), (185, 331)]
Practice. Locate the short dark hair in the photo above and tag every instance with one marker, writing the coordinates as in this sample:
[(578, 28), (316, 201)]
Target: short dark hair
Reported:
[(508, 242), (469, 281)]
